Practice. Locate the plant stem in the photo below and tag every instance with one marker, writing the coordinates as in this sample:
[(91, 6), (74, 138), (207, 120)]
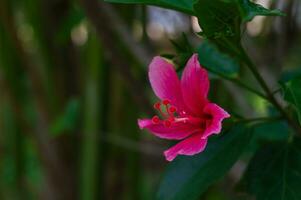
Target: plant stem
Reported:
[(269, 94), (270, 119), (239, 83), (92, 115)]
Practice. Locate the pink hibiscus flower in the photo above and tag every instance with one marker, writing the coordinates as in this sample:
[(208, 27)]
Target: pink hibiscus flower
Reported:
[(186, 113)]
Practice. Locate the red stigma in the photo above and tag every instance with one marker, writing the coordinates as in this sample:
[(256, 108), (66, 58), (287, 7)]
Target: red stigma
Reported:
[(157, 105), (156, 119), (172, 109), (166, 102)]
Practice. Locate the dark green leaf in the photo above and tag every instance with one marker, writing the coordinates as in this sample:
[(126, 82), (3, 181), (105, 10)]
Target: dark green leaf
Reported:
[(288, 75), (220, 22), (179, 5), (275, 172), (188, 177), (216, 61), (249, 10), (217, 17), (271, 131), (292, 94)]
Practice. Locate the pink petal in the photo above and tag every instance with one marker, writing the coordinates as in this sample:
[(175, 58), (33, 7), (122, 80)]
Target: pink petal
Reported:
[(165, 82), (177, 131), (190, 146), (195, 86), (218, 114)]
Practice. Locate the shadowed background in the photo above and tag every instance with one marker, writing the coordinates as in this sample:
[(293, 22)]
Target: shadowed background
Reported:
[(73, 81)]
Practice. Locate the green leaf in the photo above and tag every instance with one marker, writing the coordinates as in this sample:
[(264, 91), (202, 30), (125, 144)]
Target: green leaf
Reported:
[(292, 94), (220, 22), (274, 173), (271, 131), (217, 17), (216, 61), (249, 10), (290, 74), (184, 6), (67, 121), (188, 177)]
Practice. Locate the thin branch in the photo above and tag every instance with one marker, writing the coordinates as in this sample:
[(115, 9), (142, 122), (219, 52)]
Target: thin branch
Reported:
[(140, 50), (259, 119), (36, 83), (238, 83), (132, 145), (270, 95)]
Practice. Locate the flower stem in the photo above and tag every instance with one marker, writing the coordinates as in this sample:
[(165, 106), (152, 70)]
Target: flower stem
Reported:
[(239, 83), (268, 92)]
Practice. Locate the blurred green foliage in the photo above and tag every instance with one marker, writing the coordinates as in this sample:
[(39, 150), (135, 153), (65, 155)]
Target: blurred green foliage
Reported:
[(73, 81)]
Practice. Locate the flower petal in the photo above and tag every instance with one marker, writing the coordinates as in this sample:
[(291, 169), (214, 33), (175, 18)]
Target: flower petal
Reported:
[(190, 146), (218, 114), (195, 85), (177, 131), (165, 82)]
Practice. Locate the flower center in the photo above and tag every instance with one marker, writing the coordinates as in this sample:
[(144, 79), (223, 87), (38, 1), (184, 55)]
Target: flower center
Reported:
[(167, 112), (170, 115)]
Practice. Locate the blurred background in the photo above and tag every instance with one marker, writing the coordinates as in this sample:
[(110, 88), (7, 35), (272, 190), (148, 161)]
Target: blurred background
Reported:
[(73, 81)]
